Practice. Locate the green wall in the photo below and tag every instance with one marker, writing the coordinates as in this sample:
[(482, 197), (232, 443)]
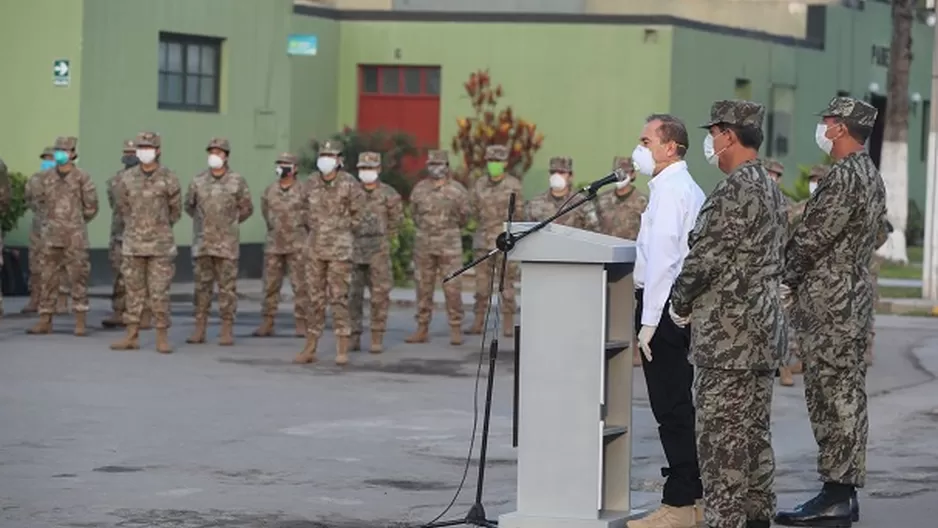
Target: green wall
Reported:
[(587, 87), (119, 99), (315, 89), (34, 111)]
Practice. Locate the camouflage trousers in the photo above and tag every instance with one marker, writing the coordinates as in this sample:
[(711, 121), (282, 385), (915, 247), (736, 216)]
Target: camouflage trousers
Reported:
[(327, 280), (207, 271), (376, 276), (119, 290), (428, 269), (77, 270), (734, 445), (485, 285), (35, 268), (275, 267), (148, 280)]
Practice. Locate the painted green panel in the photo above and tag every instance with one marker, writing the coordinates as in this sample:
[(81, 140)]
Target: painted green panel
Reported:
[(34, 111), (119, 99), (315, 88), (588, 88)]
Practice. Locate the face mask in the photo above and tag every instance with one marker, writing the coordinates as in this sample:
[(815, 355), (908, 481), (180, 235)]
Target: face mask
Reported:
[(129, 160), (46, 165), (284, 170), (61, 157), (215, 161), (624, 183), (326, 164), (820, 137), (495, 168), (644, 160), (558, 182), (709, 151), (812, 186), (146, 155), (437, 171), (368, 176)]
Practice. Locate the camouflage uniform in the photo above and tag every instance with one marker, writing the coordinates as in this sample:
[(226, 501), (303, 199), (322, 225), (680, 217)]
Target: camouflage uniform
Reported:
[(729, 286), (827, 268), (488, 204), (282, 208), (546, 204), (68, 202), (440, 209), (150, 202), (35, 235), (5, 197), (377, 226)]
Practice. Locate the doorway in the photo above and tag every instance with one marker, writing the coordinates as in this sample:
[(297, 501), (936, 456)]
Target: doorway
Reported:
[(875, 144)]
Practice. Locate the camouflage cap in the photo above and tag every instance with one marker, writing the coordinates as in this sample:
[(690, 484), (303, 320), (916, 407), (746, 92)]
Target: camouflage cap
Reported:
[(818, 171), (148, 139), (561, 164), (48, 151), (128, 145), (773, 165), (332, 147), (437, 157), (624, 162), (369, 160), (219, 143), (736, 112), (66, 143), (286, 158), (496, 153), (853, 111)]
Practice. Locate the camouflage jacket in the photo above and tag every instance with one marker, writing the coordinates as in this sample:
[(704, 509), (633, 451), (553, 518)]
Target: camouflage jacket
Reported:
[(488, 202), (117, 222), (218, 205), (150, 205), (545, 205), (730, 280), (621, 215), (330, 212), (440, 213), (282, 208), (378, 223), (67, 203), (828, 257)]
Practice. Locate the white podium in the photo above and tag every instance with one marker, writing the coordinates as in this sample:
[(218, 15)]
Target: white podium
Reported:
[(575, 380)]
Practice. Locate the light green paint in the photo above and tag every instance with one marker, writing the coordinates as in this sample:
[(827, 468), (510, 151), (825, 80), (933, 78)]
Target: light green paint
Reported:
[(34, 112), (313, 82)]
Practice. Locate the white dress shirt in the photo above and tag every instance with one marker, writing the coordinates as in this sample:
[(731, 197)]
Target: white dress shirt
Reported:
[(674, 202)]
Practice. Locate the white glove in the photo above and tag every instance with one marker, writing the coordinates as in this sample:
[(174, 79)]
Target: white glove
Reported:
[(678, 320), (784, 291), (644, 340)]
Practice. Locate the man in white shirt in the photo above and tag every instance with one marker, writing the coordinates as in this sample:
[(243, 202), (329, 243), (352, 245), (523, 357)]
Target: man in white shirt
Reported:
[(675, 199)]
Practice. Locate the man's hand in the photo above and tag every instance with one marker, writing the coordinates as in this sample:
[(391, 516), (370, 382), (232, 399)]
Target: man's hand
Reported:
[(678, 320), (784, 291), (644, 340)]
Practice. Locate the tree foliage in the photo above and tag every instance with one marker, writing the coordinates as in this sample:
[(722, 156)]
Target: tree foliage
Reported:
[(10, 217)]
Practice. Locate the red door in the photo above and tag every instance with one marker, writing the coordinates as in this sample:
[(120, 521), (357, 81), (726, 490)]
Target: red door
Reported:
[(402, 99)]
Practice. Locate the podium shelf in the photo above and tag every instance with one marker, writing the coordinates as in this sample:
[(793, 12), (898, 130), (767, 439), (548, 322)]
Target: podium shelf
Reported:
[(611, 432), (614, 347)]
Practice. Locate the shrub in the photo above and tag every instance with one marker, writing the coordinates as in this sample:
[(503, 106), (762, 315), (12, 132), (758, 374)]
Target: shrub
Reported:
[(800, 191), (402, 251), (10, 217), (914, 225)]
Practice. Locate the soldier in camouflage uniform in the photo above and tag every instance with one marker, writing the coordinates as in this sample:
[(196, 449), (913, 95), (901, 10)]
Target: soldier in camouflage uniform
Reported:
[(440, 208), (282, 208), (219, 201), (827, 277), (775, 169), (488, 202), (6, 195), (545, 205), (35, 232), (377, 226), (332, 202), (728, 290), (149, 199), (68, 201)]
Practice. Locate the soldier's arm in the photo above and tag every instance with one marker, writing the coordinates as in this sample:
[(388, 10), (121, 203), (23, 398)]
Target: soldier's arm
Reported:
[(245, 205), (305, 218), (174, 199), (395, 213), (463, 210), (885, 228), (89, 198), (121, 201), (30, 194), (265, 208), (474, 203), (190, 199), (357, 201)]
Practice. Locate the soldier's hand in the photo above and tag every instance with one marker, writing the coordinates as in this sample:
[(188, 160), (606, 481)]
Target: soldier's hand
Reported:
[(644, 340), (678, 320)]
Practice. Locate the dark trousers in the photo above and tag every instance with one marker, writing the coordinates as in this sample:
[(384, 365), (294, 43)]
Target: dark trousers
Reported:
[(670, 377)]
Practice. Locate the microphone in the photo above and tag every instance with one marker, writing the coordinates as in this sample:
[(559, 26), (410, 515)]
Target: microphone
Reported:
[(618, 175), (511, 207)]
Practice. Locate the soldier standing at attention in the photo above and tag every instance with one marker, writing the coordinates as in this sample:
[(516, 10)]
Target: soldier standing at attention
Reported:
[(440, 208), (728, 290), (6, 194), (488, 202), (35, 232), (68, 199), (547, 204), (377, 226), (149, 200), (775, 170), (827, 277), (218, 200), (282, 208), (332, 203), (620, 215)]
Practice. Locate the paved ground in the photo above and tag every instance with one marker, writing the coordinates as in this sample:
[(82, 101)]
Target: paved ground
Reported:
[(238, 437)]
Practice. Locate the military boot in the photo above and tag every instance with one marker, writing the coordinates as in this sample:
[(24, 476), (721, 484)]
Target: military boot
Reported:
[(266, 329), (146, 319), (162, 341), (477, 323), (130, 340), (785, 378), (81, 329), (699, 513), (508, 324), (833, 506), (797, 367), (300, 328), (422, 335), (44, 326), (198, 334), (759, 524), (61, 305), (667, 517), (854, 507), (455, 335), (341, 350), (355, 342), (377, 340), (226, 334), (308, 355), (115, 320)]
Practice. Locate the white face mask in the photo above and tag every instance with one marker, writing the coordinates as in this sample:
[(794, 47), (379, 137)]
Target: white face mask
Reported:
[(146, 155), (812, 186), (709, 151), (326, 164), (215, 161), (820, 137), (558, 182), (644, 161), (624, 183), (368, 176)]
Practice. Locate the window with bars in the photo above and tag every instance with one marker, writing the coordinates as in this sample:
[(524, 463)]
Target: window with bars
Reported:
[(189, 72), (406, 81)]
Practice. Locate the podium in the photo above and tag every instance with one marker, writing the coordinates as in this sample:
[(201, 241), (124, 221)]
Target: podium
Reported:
[(575, 380)]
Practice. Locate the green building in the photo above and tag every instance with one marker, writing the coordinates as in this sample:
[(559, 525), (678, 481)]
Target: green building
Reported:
[(272, 74)]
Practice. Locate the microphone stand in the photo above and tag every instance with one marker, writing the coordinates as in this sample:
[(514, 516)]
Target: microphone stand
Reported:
[(503, 244)]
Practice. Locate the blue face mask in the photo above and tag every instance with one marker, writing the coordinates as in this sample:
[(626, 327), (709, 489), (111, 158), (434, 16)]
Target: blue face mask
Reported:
[(46, 165), (61, 157)]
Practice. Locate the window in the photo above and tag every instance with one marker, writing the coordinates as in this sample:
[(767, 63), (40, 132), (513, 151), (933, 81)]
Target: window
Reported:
[(400, 81), (926, 123), (779, 122), (189, 72)]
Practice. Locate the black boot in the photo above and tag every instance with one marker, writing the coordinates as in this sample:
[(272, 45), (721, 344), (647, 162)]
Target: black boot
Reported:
[(831, 508), (758, 524), (854, 507)]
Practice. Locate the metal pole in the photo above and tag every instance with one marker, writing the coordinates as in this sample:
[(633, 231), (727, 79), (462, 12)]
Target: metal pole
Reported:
[(930, 251)]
